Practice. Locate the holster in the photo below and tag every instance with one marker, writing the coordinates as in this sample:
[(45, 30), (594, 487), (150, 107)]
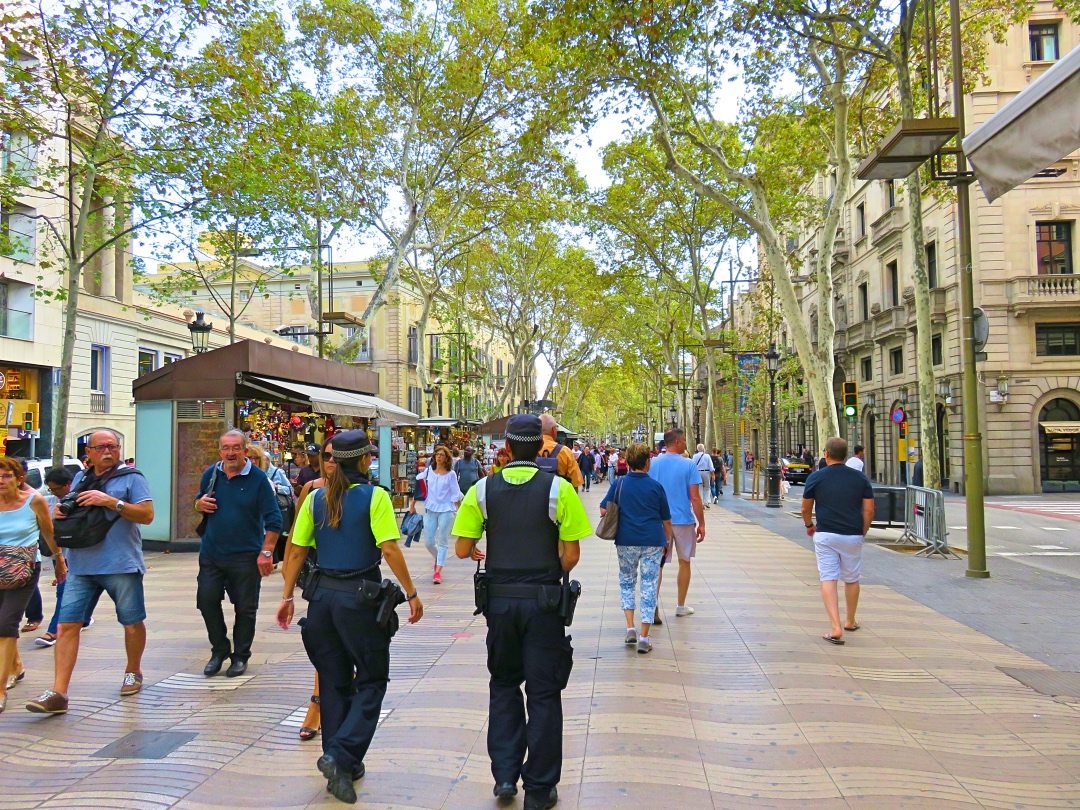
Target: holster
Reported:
[(480, 590), (570, 592), (390, 596)]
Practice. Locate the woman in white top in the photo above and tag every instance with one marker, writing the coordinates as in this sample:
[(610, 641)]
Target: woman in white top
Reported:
[(443, 498)]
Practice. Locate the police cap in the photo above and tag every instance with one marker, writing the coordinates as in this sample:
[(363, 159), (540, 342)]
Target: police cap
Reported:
[(350, 444), (524, 427)]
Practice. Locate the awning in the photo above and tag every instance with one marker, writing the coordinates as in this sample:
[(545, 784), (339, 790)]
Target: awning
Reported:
[(437, 422), (334, 402), (1037, 128), (563, 429), (1060, 427)]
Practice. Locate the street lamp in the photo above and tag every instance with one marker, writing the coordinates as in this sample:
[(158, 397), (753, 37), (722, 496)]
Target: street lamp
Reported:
[(673, 415), (772, 364), (200, 329)]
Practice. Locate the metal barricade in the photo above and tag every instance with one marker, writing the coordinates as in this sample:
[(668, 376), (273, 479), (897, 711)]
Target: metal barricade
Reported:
[(924, 522)]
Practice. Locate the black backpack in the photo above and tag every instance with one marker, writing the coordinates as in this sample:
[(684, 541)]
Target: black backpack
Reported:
[(88, 525), (550, 462)]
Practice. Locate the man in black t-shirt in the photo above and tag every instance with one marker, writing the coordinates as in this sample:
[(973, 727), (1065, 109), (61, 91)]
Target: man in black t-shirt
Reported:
[(843, 499)]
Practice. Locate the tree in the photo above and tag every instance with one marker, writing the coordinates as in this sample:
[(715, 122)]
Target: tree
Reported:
[(92, 85)]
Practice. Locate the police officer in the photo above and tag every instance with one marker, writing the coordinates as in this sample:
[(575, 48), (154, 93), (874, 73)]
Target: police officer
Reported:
[(533, 521), (352, 524)]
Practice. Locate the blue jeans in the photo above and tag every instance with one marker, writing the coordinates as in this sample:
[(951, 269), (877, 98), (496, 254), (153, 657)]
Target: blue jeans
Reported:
[(83, 590), (60, 599), (437, 527)]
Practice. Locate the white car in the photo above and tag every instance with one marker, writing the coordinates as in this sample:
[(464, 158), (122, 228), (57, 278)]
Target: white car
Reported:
[(37, 467)]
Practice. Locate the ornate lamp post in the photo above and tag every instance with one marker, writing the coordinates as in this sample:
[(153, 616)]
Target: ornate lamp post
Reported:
[(772, 499), (200, 329)]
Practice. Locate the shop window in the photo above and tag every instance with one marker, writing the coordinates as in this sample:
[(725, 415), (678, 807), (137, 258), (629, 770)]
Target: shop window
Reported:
[(935, 350), (896, 361), (1053, 248), (1043, 38), (148, 361), (867, 365), (931, 264), (1057, 339)]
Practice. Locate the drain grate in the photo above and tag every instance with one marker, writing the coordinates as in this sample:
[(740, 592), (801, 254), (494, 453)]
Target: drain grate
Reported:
[(1050, 682), (145, 745)]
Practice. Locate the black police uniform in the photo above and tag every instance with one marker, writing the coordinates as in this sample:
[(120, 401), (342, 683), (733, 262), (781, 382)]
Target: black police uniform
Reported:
[(526, 640), (345, 644)]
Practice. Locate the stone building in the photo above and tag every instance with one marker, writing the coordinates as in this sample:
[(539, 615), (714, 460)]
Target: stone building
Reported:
[(1024, 263)]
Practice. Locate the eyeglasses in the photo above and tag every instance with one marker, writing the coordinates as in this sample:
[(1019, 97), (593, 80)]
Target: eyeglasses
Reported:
[(102, 447)]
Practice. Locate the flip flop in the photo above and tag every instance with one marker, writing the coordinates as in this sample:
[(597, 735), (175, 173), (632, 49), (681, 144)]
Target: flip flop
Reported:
[(851, 629), (834, 639), (30, 627)]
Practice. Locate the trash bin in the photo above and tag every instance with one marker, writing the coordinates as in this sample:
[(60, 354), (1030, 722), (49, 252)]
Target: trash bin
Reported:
[(888, 506)]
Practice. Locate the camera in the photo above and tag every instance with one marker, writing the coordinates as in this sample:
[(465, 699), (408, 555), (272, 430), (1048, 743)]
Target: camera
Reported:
[(68, 504)]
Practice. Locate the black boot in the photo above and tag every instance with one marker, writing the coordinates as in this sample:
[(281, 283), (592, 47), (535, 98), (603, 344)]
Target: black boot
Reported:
[(338, 782), (213, 666)]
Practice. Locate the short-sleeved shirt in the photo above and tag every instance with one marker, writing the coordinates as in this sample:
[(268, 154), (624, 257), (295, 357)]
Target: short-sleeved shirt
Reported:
[(383, 523), (838, 492), (121, 550), (643, 508), (570, 514), (676, 474)]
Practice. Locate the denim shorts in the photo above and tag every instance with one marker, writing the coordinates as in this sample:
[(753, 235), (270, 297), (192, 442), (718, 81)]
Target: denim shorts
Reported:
[(126, 591)]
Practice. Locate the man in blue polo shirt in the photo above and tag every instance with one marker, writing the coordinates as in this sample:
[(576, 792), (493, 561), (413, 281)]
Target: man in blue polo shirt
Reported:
[(242, 527)]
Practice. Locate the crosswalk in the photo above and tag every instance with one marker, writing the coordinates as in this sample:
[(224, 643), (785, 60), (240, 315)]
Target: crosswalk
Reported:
[(1067, 510)]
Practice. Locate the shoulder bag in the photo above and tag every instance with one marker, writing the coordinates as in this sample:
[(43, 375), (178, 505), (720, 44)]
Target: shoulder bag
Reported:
[(608, 526), (201, 528), (16, 566), (87, 526)]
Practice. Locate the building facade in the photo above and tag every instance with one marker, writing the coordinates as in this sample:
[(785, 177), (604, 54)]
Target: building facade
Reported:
[(1024, 264)]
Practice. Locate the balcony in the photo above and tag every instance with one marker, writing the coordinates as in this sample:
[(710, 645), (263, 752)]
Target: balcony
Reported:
[(16, 324), (841, 249), (886, 226), (98, 402), (857, 334), (889, 322), (1043, 292)]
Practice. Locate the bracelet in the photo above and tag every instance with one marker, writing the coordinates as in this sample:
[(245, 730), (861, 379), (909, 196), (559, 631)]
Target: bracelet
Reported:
[(409, 598), (287, 598), (809, 525)]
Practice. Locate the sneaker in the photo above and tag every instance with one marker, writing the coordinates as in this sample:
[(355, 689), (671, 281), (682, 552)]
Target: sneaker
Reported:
[(49, 702), (631, 636), (89, 624), (644, 645), (683, 610), (47, 640), (131, 685), (437, 578)]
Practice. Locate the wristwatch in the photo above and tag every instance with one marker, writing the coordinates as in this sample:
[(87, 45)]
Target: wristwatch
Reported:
[(809, 525), (267, 553), (119, 507)]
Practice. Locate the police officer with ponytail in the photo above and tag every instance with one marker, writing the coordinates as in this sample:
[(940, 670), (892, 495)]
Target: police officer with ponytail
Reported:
[(533, 521), (351, 616)]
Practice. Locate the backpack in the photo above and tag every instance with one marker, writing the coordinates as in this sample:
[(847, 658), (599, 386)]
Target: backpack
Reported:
[(550, 462), (88, 525), (468, 473), (286, 504)]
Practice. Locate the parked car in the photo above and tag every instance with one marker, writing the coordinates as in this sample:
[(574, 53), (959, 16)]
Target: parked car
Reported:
[(794, 470), (37, 467)]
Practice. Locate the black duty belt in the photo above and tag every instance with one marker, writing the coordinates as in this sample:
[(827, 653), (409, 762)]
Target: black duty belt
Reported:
[(349, 585), (517, 591)]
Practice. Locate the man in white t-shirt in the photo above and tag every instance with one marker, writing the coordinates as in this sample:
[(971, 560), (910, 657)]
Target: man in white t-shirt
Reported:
[(857, 461)]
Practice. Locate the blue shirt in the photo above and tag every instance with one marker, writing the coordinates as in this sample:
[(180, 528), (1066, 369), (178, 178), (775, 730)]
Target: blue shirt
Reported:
[(246, 509), (838, 492), (643, 508), (121, 550), (676, 474)]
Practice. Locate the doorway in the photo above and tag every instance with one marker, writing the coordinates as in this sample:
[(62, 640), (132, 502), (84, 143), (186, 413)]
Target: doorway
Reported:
[(943, 444), (871, 447), (1059, 446)]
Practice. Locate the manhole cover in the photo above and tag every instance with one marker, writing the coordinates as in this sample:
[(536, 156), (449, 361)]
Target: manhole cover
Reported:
[(145, 745), (1050, 682)]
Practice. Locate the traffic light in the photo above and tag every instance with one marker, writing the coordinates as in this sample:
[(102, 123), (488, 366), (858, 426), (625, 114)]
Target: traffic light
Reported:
[(851, 400), (30, 417)]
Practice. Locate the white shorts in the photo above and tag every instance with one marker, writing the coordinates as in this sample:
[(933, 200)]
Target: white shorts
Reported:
[(839, 556)]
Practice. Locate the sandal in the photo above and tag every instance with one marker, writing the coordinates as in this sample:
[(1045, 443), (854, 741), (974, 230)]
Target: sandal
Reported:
[(30, 627), (834, 639), (307, 732)]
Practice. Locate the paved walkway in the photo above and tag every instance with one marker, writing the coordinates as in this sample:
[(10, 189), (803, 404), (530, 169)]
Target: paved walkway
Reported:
[(742, 705)]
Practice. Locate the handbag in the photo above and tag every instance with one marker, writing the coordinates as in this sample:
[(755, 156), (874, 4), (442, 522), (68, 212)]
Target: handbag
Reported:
[(16, 566), (201, 528), (608, 526)]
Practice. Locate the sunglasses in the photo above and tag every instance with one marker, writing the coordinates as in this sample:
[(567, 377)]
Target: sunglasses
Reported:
[(327, 456)]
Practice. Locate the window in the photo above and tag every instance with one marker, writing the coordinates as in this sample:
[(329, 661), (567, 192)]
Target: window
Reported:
[(860, 220), (935, 350), (931, 264), (296, 287), (1057, 339), (1044, 42), (1053, 248), (18, 156), (433, 348), (890, 194), (245, 295), (99, 379), (171, 358), (892, 274), (896, 360), (414, 349), (416, 399), (18, 233), (500, 381), (16, 310), (867, 364), (147, 361), (359, 282), (864, 301)]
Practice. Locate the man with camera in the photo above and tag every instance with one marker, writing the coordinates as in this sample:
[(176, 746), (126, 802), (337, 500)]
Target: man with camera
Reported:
[(242, 524), (114, 564)]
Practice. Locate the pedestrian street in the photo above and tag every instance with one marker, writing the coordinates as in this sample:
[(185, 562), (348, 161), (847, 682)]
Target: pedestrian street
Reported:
[(741, 705)]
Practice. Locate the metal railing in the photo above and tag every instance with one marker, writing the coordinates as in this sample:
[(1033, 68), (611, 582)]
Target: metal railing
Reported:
[(924, 522), (98, 402)]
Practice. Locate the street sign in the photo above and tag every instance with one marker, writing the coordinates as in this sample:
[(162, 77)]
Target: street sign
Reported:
[(898, 415)]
